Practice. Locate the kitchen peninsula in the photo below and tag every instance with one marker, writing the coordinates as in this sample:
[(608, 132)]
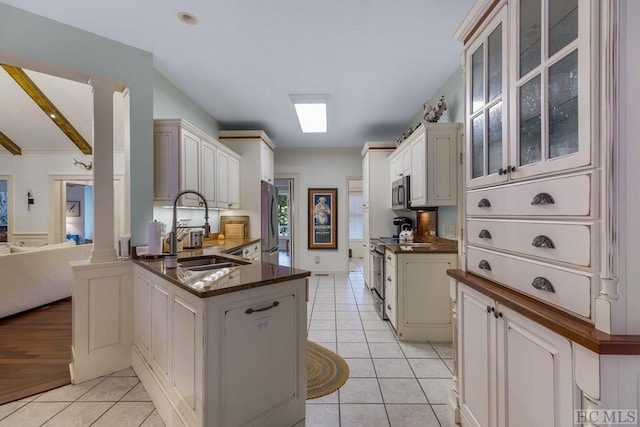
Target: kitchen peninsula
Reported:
[(222, 346)]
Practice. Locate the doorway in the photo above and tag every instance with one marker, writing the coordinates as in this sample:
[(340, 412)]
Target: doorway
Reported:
[(5, 211), (79, 213), (286, 220), (357, 243)]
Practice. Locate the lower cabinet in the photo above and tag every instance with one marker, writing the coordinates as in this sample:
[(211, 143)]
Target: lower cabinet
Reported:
[(252, 251), (228, 360), (511, 371), (417, 288)]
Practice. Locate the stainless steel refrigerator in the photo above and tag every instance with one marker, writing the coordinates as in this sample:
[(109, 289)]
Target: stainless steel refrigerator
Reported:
[(269, 220)]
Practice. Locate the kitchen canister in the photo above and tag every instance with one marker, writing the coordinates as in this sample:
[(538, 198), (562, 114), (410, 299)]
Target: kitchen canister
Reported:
[(155, 231)]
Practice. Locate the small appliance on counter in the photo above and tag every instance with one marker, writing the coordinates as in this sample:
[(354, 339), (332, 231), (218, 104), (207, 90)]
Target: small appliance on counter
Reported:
[(193, 239), (402, 222)]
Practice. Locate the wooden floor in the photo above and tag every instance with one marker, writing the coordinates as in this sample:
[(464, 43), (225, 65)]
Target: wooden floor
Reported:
[(35, 351)]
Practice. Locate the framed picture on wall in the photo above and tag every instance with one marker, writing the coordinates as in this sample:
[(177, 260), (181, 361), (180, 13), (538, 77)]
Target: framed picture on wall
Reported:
[(73, 208), (323, 218)]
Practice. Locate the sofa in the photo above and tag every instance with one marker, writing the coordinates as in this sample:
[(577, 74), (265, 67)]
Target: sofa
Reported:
[(32, 277)]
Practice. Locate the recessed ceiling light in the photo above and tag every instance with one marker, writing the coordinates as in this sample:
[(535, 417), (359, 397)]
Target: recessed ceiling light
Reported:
[(312, 112), (187, 18)]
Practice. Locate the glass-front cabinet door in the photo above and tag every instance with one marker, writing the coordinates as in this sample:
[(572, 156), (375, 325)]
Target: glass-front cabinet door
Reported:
[(486, 109), (550, 79)]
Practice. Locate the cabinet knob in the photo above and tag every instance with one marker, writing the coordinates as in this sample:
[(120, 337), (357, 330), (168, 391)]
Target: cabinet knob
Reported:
[(484, 203), (510, 169), (388, 278), (542, 199), (543, 284), (484, 234), (502, 171), (484, 265), (388, 257), (489, 309), (497, 314), (230, 204), (389, 307), (543, 242)]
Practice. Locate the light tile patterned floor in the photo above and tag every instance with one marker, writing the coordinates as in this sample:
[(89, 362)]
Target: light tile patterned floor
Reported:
[(391, 383)]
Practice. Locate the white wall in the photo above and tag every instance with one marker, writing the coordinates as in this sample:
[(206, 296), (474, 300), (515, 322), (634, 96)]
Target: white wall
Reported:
[(31, 174), (320, 168)]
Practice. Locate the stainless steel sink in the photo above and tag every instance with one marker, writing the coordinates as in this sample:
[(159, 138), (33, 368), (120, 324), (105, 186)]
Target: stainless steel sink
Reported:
[(208, 263)]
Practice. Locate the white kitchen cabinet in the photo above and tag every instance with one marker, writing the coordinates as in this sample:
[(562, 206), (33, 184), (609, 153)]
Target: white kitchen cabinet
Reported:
[(550, 92), (226, 360), (266, 163), (429, 157), (257, 165), (499, 352), (228, 182), (185, 158), (420, 286), (377, 213), (391, 290)]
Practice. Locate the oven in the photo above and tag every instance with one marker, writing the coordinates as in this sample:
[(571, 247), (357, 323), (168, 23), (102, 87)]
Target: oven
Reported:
[(376, 250)]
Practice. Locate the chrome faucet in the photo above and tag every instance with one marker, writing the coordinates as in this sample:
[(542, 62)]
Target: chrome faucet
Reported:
[(173, 237)]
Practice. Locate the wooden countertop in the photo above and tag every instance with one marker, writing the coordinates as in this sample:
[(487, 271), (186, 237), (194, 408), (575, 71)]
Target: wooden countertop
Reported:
[(570, 327), (205, 284), (435, 245)]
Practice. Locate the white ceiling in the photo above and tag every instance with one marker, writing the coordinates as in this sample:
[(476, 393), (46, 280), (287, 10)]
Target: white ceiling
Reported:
[(378, 59)]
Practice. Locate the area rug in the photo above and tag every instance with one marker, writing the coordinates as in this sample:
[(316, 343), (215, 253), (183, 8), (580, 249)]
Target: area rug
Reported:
[(326, 371)]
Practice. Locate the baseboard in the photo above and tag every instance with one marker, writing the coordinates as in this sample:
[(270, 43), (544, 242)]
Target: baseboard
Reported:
[(156, 391)]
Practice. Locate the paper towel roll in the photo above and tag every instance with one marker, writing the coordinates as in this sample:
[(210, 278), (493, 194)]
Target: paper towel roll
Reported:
[(155, 231)]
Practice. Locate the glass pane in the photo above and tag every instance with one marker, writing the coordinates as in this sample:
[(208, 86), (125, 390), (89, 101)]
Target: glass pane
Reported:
[(563, 106), (477, 147), (530, 142), (529, 35), (494, 138), (477, 78), (563, 24), (494, 47)]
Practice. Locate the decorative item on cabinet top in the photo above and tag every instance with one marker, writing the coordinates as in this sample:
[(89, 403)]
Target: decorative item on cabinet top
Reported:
[(433, 113)]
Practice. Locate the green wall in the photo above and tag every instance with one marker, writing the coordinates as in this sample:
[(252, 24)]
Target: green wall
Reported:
[(170, 103)]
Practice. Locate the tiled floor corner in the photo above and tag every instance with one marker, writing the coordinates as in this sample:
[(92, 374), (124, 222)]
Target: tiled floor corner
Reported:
[(115, 400), (391, 383)]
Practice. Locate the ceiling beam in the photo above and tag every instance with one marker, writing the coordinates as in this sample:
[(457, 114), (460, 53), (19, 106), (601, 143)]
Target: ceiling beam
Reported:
[(11, 146), (30, 87)]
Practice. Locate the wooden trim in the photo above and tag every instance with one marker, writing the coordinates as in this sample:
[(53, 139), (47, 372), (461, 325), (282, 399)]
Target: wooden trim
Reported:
[(11, 146), (481, 21), (570, 327), (36, 94)]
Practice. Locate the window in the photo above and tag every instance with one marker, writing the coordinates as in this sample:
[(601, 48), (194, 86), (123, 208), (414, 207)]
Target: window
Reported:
[(356, 223)]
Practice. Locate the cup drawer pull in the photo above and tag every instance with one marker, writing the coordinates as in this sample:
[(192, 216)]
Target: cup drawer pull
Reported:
[(543, 242), (543, 199), (484, 234), (484, 203), (543, 284), (484, 265)]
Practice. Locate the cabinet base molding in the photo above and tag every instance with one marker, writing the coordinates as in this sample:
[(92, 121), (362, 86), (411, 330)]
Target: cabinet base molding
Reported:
[(156, 391)]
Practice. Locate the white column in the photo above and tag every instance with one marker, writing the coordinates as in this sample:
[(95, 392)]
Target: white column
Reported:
[(103, 236)]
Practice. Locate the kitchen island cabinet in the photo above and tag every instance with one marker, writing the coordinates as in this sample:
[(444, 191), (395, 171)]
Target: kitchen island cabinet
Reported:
[(218, 348)]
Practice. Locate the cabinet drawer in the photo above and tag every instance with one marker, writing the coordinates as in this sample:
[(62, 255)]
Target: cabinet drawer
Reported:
[(390, 258), (567, 289), (568, 196), (573, 243)]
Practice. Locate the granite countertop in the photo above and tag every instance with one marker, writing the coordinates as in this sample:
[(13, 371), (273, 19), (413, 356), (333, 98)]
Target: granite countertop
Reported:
[(434, 245), (210, 283)]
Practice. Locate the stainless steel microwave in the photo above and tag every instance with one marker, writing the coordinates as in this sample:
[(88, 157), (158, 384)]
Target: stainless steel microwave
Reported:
[(400, 193)]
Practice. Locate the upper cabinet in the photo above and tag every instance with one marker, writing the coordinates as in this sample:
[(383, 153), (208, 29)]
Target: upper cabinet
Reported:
[(429, 157), (257, 153), (186, 158), (542, 123)]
